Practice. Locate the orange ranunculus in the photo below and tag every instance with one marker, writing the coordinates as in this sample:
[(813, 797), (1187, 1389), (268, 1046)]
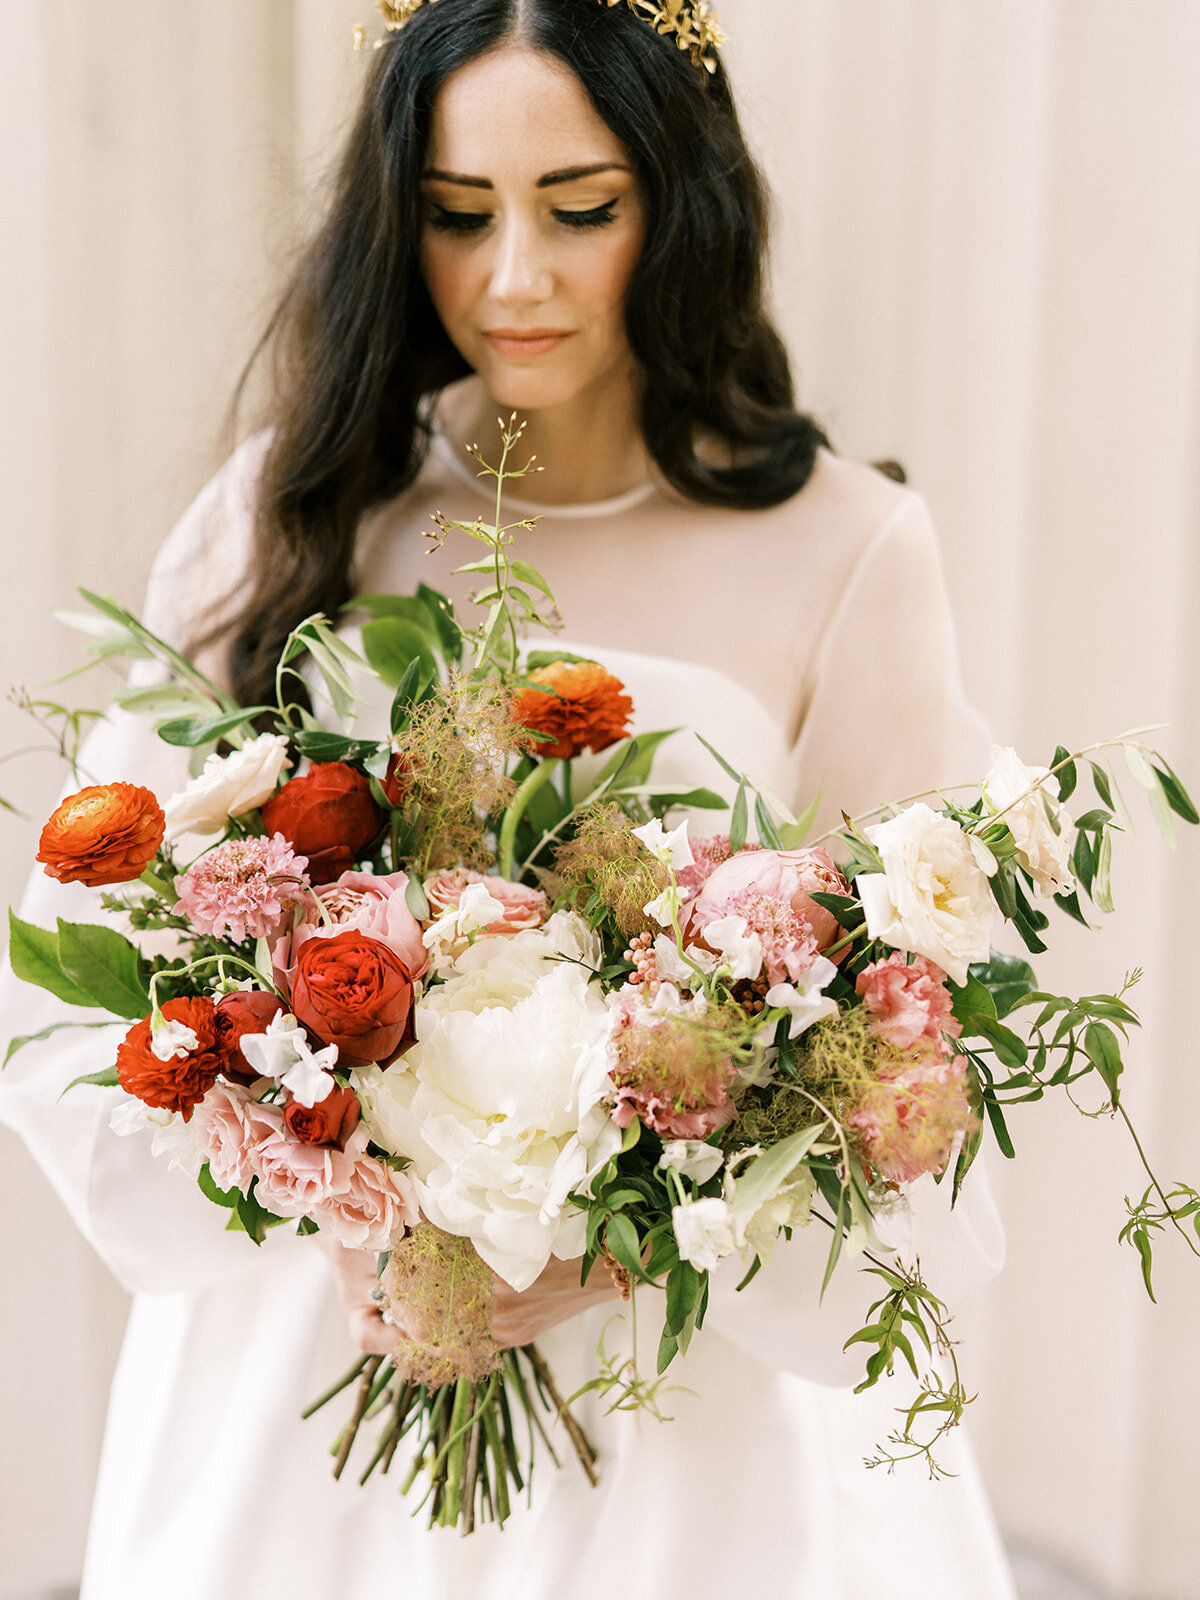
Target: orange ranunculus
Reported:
[(108, 833), (187, 1075), (588, 709)]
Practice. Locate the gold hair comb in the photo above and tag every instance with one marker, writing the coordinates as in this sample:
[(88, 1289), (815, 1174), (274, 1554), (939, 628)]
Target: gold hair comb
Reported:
[(693, 23)]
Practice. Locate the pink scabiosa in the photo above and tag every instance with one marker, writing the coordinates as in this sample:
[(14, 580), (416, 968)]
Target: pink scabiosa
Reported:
[(241, 887)]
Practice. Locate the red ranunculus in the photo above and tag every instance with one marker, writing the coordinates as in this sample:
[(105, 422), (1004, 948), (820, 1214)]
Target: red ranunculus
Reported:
[(245, 1011), (397, 781), (330, 1121), (179, 1083), (352, 991), (328, 815)]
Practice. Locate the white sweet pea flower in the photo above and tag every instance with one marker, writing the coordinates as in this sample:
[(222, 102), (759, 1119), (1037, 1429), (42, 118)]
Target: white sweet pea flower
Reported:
[(805, 1000), (672, 849), (227, 787), (691, 1158), (983, 856), (132, 1116), (932, 897), (450, 935), (674, 968), (170, 1040), (706, 1231), (665, 909), (173, 1136), (789, 1207), (283, 1052), (740, 949), (1045, 854)]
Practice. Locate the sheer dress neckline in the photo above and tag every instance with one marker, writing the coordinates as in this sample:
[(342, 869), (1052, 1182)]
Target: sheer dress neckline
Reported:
[(456, 463)]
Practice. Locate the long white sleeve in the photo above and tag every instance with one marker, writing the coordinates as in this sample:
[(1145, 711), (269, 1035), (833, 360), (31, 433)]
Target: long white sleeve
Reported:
[(147, 1221), (886, 717)]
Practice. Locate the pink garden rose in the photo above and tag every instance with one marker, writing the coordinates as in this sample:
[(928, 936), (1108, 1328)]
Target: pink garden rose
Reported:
[(523, 908), (908, 1000), (373, 1211), (359, 902), (784, 876), (228, 1125)]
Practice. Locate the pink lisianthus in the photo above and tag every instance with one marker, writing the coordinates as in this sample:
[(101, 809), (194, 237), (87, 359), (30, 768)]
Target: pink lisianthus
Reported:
[(374, 1210), (241, 887), (228, 1126), (771, 889), (908, 1000), (909, 1118), (358, 902), (523, 907)]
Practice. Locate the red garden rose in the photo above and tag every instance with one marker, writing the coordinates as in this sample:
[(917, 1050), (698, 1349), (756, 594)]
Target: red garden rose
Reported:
[(107, 833), (328, 815), (352, 991), (179, 1083), (397, 781), (330, 1121), (245, 1011)]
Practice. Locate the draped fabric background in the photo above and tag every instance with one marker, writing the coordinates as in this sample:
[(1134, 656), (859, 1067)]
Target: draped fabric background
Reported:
[(988, 265)]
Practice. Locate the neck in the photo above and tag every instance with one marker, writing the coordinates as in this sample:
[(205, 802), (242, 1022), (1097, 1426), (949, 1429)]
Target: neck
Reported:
[(589, 448)]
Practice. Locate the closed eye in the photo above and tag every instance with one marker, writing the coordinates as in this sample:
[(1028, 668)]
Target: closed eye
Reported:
[(458, 221), (595, 218)]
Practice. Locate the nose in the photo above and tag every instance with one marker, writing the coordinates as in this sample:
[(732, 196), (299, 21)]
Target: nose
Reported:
[(521, 273)]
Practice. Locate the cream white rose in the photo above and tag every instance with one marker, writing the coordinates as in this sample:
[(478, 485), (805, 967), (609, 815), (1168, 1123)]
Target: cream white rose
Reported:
[(1045, 854), (932, 897), (227, 787), (500, 1106)]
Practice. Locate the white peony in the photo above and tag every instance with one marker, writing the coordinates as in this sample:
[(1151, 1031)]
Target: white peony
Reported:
[(500, 1105), (707, 1231), (228, 786), (932, 897), (1045, 854)]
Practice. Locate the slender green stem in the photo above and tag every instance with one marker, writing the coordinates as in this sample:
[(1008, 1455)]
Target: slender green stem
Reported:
[(537, 780), (1158, 1189)]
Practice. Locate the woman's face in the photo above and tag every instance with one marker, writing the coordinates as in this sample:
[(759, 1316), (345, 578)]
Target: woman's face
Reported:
[(533, 224)]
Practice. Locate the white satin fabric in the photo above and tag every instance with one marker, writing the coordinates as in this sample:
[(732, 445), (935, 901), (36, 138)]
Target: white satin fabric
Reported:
[(805, 642)]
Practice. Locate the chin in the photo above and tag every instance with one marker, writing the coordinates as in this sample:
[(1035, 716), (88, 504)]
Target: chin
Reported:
[(528, 390)]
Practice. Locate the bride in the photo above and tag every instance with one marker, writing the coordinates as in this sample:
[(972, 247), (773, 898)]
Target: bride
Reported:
[(544, 206)]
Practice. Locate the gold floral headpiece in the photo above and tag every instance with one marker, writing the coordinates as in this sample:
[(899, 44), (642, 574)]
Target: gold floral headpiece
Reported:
[(693, 23)]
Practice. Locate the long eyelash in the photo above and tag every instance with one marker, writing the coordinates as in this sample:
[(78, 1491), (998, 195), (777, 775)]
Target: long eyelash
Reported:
[(599, 217), (457, 221)]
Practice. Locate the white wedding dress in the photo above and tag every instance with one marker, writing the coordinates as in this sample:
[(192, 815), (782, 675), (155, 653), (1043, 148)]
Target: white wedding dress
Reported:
[(810, 642)]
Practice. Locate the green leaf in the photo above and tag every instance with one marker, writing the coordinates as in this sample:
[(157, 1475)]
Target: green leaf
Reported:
[(320, 745), (188, 731), (228, 1198), (720, 760), (391, 644), (106, 1078), (1177, 796), (442, 611), (163, 700), (1104, 1052), (763, 1176), (527, 574), (1066, 775), (1140, 769), (999, 1127), (972, 999), (537, 659), (683, 1290), (409, 690), (1008, 979), (794, 834), (21, 1040), (416, 899), (630, 763), (33, 952), (1011, 1050), (768, 833), (621, 1238), (668, 1349), (739, 820), (841, 905), (1103, 786), (105, 965)]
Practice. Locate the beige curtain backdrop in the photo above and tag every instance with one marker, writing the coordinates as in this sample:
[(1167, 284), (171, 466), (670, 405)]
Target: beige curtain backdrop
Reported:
[(987, 264)]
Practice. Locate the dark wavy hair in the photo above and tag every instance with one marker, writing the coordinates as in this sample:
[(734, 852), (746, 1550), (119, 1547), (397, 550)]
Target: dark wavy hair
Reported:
[(359, 347)]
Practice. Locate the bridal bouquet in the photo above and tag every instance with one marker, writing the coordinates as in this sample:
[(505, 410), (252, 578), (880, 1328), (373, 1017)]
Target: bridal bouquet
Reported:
[(461, 994)]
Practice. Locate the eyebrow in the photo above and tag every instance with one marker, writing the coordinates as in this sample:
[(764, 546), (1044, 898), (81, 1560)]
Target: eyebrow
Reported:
[(546, 181)]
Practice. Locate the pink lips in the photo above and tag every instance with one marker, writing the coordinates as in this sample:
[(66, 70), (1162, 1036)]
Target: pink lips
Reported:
[(523, 344)]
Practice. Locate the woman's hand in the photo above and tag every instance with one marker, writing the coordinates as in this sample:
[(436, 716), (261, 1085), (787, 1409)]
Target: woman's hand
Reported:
[(555, 1296), (516, 1319)]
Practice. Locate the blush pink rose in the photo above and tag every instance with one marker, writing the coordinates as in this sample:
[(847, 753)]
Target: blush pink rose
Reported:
[(523, 907), (228, 1126), (373, 1211), (295, 1178), (788, 877), (908, 1000), (359, 902)]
